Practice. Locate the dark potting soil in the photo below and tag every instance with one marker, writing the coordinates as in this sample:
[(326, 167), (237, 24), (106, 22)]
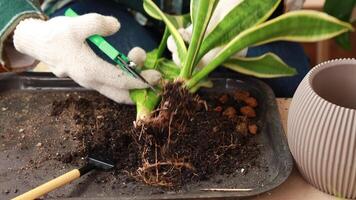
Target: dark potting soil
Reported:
[(219, 136), (188, 138)]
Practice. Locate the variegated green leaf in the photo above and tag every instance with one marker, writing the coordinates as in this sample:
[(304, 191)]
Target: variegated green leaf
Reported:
[(245, 15), (168, 69), (341, 10), (152, 9), (154, 55), (268, 65), (202, 84), (193, 9), (203, 12), (179, 21), (300, 26), (151, 59)]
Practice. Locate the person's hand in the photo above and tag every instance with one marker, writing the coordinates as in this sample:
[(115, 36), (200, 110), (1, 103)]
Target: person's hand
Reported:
[(222, 9), (60, 43)]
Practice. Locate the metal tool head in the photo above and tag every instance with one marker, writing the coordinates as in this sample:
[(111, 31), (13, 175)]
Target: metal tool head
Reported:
[(130, 68), (101, 163)]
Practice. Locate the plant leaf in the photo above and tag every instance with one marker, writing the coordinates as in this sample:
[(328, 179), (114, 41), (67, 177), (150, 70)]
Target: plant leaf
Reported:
[(152, 9), (299, 26), (168, 69), (179, 21), (155, 54), (245, 15), (268, 65), (344, 41), (151, 59), (204, 83), (203, 11), (341, 10)]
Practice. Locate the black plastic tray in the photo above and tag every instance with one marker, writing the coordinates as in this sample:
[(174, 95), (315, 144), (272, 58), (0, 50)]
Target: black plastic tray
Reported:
[(275, 155)]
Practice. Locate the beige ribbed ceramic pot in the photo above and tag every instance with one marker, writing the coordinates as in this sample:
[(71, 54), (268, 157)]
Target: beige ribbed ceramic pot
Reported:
[(322, 127)]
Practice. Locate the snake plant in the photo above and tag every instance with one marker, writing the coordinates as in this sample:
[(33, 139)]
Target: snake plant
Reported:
[(244, 26)]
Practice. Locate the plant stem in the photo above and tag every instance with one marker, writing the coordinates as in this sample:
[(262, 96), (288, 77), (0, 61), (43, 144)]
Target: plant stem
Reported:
[(146, 101), (162, 46), (204, 10), (203, 73)]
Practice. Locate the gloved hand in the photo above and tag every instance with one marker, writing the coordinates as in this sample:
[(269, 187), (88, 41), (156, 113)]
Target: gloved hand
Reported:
[(60, 43), (221, 10)]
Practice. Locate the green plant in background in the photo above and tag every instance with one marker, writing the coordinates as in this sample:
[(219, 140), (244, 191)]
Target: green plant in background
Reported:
[(343, 11), (244, 26)]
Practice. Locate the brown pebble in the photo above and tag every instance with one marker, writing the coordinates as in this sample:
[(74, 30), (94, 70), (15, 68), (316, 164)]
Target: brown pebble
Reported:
[(39, 144), (241, 95), (218, 109), (224, 98), (229, 112), (250, 101), (215, 129), (252, 128), (248, 111)]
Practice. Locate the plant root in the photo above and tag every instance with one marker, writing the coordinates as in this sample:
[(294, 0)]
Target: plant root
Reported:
[(171, 150)]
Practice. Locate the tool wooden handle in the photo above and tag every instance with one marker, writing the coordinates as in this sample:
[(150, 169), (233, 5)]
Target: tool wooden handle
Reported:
[(50, 185)]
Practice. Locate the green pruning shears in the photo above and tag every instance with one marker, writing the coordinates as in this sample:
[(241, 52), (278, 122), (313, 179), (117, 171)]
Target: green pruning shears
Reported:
[(122, 61)]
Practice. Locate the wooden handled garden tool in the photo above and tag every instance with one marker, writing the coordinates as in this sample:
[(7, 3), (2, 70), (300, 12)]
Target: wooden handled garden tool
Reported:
[(122, 61), (66, 178)]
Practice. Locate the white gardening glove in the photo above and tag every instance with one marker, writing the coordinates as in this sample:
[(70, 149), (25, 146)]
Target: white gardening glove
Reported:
[(60, 43), (222, 8)]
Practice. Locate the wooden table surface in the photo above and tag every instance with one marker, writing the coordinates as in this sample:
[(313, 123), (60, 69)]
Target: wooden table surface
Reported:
[(295, 188)]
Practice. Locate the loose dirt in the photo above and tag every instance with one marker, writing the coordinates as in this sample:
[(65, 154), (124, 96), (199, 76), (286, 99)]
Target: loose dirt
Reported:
[(185, 140), (46, 134)]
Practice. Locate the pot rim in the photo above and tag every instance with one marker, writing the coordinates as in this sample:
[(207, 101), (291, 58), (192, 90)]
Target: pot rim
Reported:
[(322, 66)]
